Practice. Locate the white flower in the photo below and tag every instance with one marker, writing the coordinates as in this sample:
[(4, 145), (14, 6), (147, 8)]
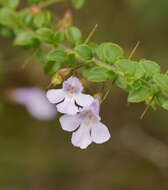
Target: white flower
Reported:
[(88, 125), (70, 94), (35, 101)]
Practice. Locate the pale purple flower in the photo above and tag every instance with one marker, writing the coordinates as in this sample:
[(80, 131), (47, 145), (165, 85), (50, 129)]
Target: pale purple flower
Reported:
[(34, 99), (70, 94), (88, 125)]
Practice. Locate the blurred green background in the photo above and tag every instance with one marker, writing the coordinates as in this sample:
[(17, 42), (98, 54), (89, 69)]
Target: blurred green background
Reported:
[(37, 155)]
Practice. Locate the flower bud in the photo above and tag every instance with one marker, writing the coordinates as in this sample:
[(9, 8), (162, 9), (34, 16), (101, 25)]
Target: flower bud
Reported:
[(66, 21), (56, 79), (68, 16), (64, 72), (98, 96), (35, 10)]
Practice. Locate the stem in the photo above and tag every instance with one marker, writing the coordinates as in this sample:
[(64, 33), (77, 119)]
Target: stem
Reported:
[(48, 3), (91, 34), (94, 60), (134, 49), (102, 64), (107, 66)]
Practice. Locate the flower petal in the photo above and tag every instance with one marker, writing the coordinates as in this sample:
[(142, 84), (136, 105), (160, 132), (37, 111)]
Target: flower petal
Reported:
[(24, 95), (95, 106), (81, 138), (99, 133), (83, 99), (34, 99), (69, 122), (43, 111), (68, 107), (73, 81), (55, 96)]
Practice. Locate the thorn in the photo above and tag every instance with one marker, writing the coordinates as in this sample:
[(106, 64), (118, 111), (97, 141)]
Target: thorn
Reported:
[(144, 112), (91, 34), (147, 108), (134, 49)]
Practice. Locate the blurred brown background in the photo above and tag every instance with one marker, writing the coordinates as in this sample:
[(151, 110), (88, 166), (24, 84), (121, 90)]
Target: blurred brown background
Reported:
[(37, 155)]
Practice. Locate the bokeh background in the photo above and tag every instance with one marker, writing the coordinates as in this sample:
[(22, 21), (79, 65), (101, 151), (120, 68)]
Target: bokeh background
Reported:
[(36, 155)]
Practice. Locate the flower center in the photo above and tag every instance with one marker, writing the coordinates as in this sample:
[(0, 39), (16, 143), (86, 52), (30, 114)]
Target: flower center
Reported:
[(89, 118), (71, 91)]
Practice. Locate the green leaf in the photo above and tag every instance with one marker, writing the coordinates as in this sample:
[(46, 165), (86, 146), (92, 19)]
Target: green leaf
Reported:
[(163, 102), (112, 75), (84, 51), (57, 56), (72, 60), (51, 67), (27, 18), (59, 37), (127, 66), (35, 43), (7, 32), (42, 19), (10, 3), (134, 84), (122, 83), (96, 74), (93, 46), (77, 4), (74, 35), (33, 1), (42, 55), (17, 30), (109, 52), (139, 95), (139, 71), (45, 34), (162, 81), (24, 39), (8, 17), (165, 105), (150, 67)]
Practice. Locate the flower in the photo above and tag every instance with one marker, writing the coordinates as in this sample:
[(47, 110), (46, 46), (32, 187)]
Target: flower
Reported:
[(70, 94), (35, 101), (88, 125)]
